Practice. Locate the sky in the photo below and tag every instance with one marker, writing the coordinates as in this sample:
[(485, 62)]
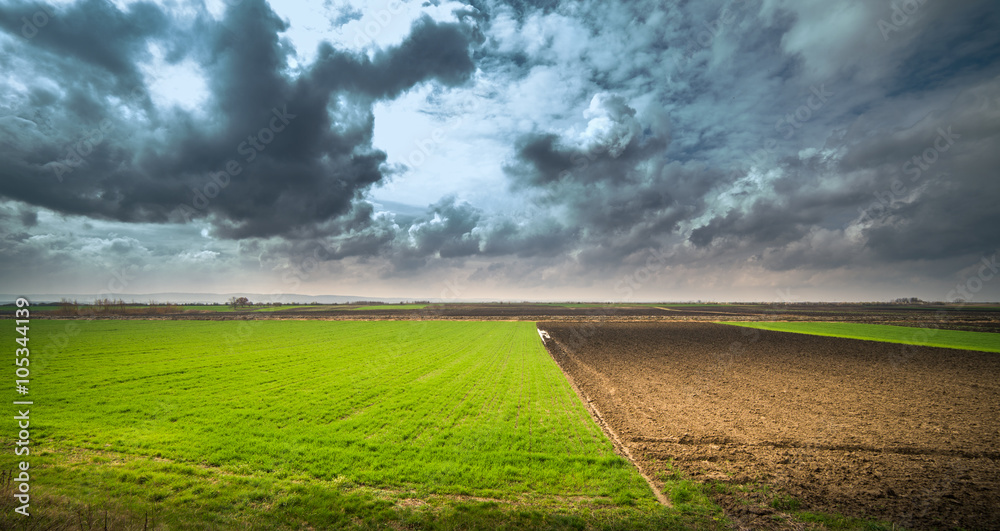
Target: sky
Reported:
[(740, 150)]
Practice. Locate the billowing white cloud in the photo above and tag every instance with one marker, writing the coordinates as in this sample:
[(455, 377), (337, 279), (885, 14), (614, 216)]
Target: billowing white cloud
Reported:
[(612, 125)]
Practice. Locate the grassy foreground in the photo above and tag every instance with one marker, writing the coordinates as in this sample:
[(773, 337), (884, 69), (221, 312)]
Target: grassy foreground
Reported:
[(928, 337), (291, 424)]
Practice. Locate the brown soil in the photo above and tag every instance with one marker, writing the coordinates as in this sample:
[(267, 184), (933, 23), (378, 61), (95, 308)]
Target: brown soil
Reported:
[(875, 430)]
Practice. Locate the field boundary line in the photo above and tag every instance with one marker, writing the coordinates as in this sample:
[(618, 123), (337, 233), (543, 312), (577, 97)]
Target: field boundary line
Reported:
[(762, 325), (696, 311), (897, 450), (595, 414)]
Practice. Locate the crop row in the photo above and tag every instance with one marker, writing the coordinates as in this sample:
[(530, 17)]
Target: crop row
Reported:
[(443, 407)]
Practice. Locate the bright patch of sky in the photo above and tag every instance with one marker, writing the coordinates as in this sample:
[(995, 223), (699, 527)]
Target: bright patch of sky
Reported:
[(175, 85)]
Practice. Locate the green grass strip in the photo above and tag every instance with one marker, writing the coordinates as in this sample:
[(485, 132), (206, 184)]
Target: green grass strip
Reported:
[(926, 337)]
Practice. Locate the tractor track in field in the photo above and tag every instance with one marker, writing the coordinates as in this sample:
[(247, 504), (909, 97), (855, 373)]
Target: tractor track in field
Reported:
[(724, 442)]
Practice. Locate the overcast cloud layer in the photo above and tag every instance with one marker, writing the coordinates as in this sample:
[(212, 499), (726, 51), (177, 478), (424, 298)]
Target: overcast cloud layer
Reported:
[(585, 150)]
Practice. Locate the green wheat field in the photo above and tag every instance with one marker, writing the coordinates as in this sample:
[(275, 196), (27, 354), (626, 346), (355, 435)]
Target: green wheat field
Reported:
[(928, 337), (291, 424)]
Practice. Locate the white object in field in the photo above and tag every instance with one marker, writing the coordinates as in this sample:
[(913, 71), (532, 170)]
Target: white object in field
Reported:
[(544, 335)]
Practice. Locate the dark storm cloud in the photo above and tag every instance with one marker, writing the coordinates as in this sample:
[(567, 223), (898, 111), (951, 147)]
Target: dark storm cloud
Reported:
[(922, 192), (546, 161), (820, 208), (92, 31), (940, 201), (431, 51), (448, 231), (648, 126), (28, 217), (619, 192), (453, 229), (267, 155), (805, 195)]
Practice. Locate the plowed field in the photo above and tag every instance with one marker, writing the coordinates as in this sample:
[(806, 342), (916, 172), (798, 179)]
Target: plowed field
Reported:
[(776, 421)]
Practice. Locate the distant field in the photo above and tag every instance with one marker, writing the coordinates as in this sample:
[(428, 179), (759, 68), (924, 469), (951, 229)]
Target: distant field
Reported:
[(205, 308), (703, 305), (640, 305), (313, 307), (392, 307), (39, 308), (982, 341), (597, 304), (280, 308), (319, 424), (194, 307), (335, 307), (586, 304), (224, 308)]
